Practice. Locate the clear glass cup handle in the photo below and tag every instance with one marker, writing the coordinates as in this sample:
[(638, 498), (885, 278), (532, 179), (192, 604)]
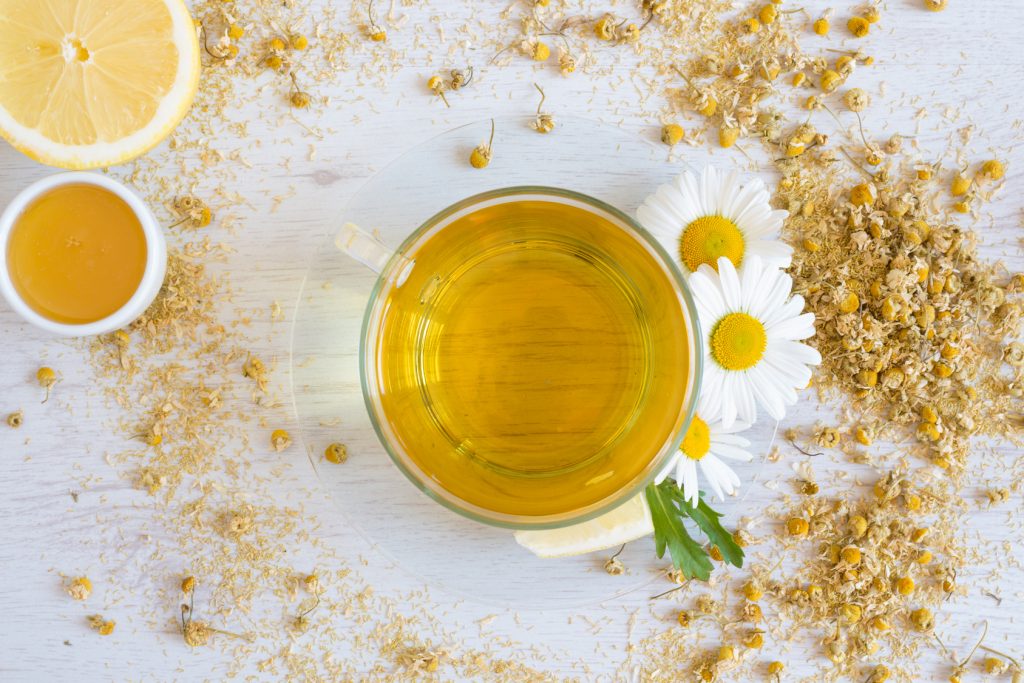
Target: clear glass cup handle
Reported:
[(363, 247)]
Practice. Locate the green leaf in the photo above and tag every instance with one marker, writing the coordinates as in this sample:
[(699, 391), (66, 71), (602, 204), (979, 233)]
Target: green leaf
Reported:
[(687, 555), (707, 520)]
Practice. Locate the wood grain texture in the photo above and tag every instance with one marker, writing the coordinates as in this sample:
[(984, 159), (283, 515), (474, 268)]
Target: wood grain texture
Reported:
[(961, 67)]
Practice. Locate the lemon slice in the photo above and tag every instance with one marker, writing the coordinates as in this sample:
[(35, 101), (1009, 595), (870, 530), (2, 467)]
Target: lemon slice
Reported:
[(91, 83), (628, 522)]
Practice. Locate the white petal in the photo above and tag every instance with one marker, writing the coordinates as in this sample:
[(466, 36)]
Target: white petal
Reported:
[(732, 452), (730, 283), (708, 470), (800, 327)]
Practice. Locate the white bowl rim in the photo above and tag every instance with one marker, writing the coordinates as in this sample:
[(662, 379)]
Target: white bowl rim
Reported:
[(152, 276)]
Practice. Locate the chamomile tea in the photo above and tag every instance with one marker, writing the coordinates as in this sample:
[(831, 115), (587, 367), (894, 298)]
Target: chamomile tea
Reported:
[(532, 357), (77, 254)]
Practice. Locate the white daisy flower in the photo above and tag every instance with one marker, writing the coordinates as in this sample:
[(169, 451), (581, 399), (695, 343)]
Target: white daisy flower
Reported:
[(700, 218), (707, 445), (752, 329)]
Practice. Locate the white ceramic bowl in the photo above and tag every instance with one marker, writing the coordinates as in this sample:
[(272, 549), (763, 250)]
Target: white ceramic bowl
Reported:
[(152, 276)]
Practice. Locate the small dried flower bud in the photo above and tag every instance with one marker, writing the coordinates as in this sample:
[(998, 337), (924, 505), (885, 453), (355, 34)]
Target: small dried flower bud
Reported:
[(614, 567), (960, 185), (913, 502), (102, 626), (994, 665), (715, 553), (935, 5), (879, 623), (863, 436), (727, 136), (768, 14), (754, 640), (280, 440), (856, 99), (858, 526), (541, 52), (752, 613), (604, 29), (863, 194), (188, 584), (850, 555), (196, 633), (80, 588), (312, 583), (993, 169), (671, 133), (849, 303), (821, 26), (917, 535), (858, 26), (336, 453), (300, 42), (924, 558), (378, 35), (543, 123), (797, 526), (15, 419), (798, 79), (830, 80), (726, 653), (880, 674), (706, 605), (683, 618), (850, 612), (751, 25), (811, 246), (300, 100), (905, 585)]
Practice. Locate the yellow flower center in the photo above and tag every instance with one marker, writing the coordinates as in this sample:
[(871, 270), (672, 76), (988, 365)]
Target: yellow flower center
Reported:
[(697, 441), (707, 238), (738, 341)]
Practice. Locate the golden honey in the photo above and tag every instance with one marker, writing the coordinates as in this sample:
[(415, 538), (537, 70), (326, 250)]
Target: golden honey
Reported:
[(535, 360), (76, 254)]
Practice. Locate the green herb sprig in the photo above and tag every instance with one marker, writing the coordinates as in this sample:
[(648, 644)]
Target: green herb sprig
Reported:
[(668, 510)]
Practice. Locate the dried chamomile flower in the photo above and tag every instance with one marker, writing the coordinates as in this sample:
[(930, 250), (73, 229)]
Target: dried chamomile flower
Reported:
[(767, 14), (797, 526), (539, 51), (336, 453), (776, 668), (821, 26), (856, 99), (373, 30), (236, 32), (880, 674), (566, 62), (542, 123), (196, 633), (858, 26), (280, 440), (16, 419), (754, 640), (188, 584), (613, 565), (751, 25), (193, 212), (828, 437), (727, 136), (993, 169), (960, 185), (481, 154), (102, 626), (935, 5), (46, 377), (437, 86), (299, 42), (605, 28), (298, 98), (706, 604), (830, 80), (684, 618), (80, 588), (671, 134)]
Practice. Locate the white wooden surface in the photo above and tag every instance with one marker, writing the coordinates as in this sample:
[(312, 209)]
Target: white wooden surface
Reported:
[(969, 58)]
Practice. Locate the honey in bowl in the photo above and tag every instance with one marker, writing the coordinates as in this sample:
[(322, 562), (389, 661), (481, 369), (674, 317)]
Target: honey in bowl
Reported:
[(76, 254), (535, 359)]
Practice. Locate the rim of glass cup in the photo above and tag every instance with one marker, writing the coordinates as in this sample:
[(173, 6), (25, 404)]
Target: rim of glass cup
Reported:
[(398, 263)]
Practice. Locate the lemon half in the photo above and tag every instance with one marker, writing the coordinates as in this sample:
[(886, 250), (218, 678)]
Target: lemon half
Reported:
[(628, 522), (91, 83)]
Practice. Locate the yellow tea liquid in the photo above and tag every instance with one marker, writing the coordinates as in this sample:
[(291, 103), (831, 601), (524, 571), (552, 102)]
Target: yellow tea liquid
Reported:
[(535, 360), (77, 254)]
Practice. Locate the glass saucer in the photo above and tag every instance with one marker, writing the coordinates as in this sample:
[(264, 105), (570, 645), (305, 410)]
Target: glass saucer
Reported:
[(476, 562)]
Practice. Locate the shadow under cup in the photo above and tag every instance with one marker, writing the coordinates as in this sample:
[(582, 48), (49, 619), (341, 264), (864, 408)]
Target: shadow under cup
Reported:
[(530, 357)]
